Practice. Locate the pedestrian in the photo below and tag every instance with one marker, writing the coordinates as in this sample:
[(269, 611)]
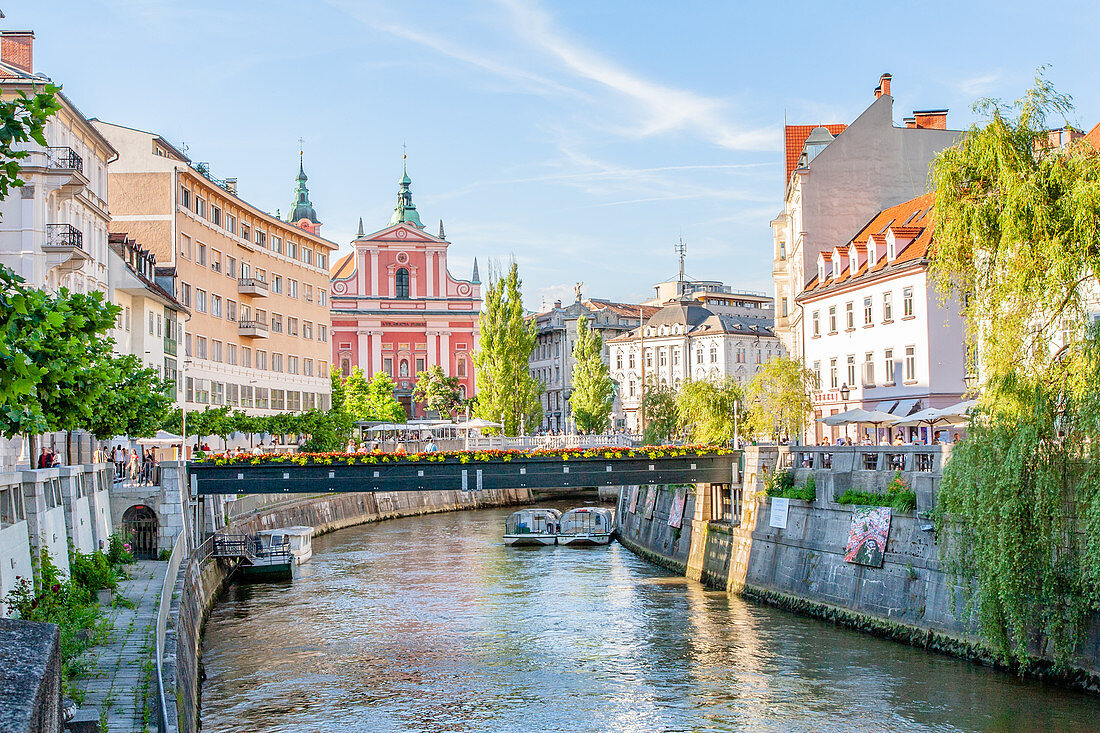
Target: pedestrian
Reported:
[(119, 460), (44, 459), (134, 466), (55, 458), (146, 465), (430, 447)]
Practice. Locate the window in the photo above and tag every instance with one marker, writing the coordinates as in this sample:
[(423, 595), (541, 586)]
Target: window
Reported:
[(662, 358), (187, 345), (202, 255), (460, 367), (419, 364), (246, 232), (833, 379), (816, 320), (631, 359), (200, 301), (292, 250), (230, 353), (322, 332), (230, 224), (216, 306), (307, 329), (675, 357), (246, 357), (261, 398), (200, 346), (649, 358), (713, 354), (907, 302), (276, 283), (307, 256), (293, 400), (292, 326), (152, 323), (246, 395), (782, 250), (276, 362), (261, 359), (890, 242), (869, 369), (185, 246), (276, 323), (784, 308), (849, 315), (215, 260), (401, 283), (277, 399), (200, 207), (216, 350), (699, 355), (320, 297), (817, 374), (307, 367), (910, 363), (231, 310), (292, 288), (309, 293), (322, 261), (387, 365), (277, 244), (889, 366), (867, 311), (887, 307), (832, 319), (215, 216), (231, 266), (185, 198), (261, 238), (851, 370)]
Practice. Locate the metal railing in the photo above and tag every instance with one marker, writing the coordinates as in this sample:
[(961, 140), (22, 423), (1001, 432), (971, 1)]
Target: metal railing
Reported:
[(64, 158), (528, 442), (64, 235), (179, 551)]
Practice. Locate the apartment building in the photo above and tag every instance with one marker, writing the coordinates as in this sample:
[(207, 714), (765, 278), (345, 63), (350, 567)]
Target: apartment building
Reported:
[(255, 286)]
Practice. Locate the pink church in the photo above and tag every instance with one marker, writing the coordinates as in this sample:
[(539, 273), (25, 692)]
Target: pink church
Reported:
[(396, 308)]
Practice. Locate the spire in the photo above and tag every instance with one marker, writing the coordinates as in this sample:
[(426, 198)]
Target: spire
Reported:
[(442, 235), (302, 208), (476, 278), (405, 209), (360, 227)]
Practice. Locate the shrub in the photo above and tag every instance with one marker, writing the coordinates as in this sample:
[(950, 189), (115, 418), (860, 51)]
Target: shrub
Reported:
[(897, 496), (93, 571), (781, 485), (118, 549)]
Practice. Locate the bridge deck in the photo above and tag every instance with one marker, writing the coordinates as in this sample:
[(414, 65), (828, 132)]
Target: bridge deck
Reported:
[(532, 472)]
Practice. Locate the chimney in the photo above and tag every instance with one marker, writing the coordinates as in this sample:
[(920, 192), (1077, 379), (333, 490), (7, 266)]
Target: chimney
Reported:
[(930, 119), (17, 49), (557, 304), (231, 185), (910, 122), (883, 86)]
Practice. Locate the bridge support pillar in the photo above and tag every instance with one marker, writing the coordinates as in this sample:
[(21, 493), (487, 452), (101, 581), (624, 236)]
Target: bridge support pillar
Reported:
[(700, 522)]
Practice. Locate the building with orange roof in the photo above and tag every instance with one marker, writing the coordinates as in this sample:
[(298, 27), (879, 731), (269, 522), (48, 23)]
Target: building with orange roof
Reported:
[(397, 309), (836, 177), (877, 336)]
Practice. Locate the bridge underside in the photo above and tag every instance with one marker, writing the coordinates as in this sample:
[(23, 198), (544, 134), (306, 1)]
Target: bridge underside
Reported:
[(531, 473)]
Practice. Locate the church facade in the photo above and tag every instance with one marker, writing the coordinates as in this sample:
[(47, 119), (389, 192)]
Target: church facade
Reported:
[(396, 308)]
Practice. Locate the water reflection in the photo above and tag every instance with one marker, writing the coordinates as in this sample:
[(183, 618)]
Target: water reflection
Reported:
[(431, 624)]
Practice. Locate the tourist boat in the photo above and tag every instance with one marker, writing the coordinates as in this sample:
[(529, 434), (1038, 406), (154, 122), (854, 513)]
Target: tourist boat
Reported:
[(532, 527), (586, 525), (297, 540)]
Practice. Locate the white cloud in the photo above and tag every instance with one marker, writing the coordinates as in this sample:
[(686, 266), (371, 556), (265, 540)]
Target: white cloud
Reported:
[(979, 84)]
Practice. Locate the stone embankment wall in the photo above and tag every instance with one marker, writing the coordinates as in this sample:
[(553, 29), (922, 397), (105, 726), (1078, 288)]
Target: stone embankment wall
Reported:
[(801, 568), (204, 580), (30, 677)]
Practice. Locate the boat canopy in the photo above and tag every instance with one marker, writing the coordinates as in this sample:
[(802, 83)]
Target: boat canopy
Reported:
[(531, 521), (587, 520)]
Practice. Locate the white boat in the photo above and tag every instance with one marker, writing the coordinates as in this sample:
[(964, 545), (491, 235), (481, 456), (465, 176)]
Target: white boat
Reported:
[(586, 525), (298, 540), (532, 527)]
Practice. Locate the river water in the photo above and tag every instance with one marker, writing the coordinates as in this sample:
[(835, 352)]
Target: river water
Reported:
[(431, 624)]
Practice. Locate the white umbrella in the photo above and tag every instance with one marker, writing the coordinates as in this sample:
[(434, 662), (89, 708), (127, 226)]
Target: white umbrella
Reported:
[(959, 412), (162, 437), (478, 422), (386, 427)]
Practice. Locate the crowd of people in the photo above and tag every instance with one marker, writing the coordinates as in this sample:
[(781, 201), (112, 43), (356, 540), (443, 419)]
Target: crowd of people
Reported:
[(138, 467)]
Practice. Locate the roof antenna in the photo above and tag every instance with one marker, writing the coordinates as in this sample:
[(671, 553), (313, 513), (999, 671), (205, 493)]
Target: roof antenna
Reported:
[(681, 250)]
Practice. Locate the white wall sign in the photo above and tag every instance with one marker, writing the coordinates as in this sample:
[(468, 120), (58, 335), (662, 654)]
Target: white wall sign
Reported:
[(780, 507)]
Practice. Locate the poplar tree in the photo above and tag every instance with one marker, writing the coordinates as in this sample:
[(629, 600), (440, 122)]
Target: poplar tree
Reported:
[(506, 390), (593, 390)]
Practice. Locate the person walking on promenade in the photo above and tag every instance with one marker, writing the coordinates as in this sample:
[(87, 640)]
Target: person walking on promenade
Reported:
[(134, 466), (119, 458)]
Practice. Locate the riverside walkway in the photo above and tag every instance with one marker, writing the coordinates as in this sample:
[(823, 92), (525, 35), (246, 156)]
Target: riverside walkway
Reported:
[(121, 687)]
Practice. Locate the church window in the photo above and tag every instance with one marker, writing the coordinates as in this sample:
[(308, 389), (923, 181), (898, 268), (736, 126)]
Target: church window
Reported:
[(401, 281)]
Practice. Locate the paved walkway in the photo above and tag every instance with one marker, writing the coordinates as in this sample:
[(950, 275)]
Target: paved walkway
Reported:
[(123, 687)]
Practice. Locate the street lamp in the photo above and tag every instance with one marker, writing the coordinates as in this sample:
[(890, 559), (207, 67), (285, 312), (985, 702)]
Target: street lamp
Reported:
[(845, 393)]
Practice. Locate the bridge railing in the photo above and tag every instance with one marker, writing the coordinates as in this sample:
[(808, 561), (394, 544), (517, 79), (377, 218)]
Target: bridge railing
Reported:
[(179, 551), (529, 442)]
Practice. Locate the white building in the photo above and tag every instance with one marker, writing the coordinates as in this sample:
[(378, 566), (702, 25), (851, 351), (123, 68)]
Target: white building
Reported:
[(837, 178), (551, 362), (684, 341), (875, 329)]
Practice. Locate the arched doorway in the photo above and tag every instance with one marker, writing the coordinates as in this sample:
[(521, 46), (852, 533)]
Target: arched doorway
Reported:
[(140, 523)]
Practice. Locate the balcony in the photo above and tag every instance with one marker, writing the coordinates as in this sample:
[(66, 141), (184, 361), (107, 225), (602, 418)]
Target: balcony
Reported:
[(254, 329), (66, 159), (64, 236), (252, 286)]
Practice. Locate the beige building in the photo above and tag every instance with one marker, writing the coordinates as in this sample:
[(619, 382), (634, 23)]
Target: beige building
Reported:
[(256, 286)]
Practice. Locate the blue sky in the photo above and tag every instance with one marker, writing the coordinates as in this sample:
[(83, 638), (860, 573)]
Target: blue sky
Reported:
[(582, 138)]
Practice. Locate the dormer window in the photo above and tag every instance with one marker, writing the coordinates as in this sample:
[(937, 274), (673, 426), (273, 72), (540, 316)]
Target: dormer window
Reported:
[(836, 264), (872, 252), (891, 247), (821, 270), (853, 262)]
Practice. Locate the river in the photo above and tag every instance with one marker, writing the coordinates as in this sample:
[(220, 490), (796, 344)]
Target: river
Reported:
[(431, 624)]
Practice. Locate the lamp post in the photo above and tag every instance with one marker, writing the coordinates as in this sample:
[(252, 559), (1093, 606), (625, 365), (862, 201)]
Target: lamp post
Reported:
[(845, 393)]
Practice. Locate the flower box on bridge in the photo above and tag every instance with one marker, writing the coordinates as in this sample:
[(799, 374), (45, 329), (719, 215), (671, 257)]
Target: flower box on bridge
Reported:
[(461, 471)]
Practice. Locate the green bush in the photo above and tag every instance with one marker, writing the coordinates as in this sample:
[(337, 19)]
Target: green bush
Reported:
[(781, 485), (118, 549), (93, 571), (897, 496)]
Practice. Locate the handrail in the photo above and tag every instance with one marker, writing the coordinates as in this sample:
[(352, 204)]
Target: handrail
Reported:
[(179, 551)]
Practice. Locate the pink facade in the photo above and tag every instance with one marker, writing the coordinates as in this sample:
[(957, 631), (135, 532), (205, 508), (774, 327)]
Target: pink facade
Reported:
[(396, 308)]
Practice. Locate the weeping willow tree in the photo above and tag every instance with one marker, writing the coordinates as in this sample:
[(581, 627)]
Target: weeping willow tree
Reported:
[(709, 409), (1017, 243)]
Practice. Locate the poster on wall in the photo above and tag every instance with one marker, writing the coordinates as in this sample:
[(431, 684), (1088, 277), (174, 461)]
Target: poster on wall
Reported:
[(780, 508), (634, 499), (650, 500), (867, 536), (676, 512)]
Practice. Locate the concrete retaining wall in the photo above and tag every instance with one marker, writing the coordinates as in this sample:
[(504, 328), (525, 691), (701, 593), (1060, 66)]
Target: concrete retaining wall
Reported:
[(30, 677), (801, 568), (204, 580)]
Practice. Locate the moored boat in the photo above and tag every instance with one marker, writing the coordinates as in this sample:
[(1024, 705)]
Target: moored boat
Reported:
[(297, 540), (586, 526), (534, 526)]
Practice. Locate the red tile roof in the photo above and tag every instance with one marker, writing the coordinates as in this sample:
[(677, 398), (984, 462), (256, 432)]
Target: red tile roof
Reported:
[(916, 212), (1093, 136), (795, 137)]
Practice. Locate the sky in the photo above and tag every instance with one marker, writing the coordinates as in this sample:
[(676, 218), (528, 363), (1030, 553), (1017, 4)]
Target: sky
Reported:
[(583, 139)]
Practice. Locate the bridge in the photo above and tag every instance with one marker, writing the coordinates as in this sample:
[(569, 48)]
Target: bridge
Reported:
[(462, 472)]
